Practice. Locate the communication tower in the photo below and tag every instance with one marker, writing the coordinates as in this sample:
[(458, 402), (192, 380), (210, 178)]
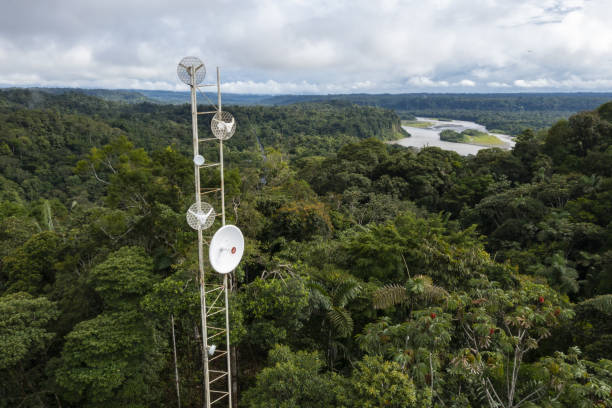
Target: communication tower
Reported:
[(226, 246)]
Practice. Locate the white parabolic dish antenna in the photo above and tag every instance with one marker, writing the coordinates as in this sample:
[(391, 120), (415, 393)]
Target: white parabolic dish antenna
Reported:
[(226, 249)]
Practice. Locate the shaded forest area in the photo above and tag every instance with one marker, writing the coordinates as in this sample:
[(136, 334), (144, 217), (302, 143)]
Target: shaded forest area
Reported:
[(374, 275)]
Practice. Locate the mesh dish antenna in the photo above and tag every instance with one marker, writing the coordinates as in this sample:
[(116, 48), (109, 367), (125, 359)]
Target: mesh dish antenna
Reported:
[(223, 125), (189, 65), (226, 249), (202, 217)]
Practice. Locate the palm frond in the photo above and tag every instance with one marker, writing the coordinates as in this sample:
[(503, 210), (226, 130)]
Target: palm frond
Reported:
[(341, 321), (317, 287), (389, 295), (602, 303), (423, 287), (434, 293), (319, 298), (345, 292)]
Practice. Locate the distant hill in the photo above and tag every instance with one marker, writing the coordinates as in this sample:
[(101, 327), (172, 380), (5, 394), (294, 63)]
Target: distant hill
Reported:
[(163, 97), (509, 113), (503, 102), (175, 97), (513, 102)]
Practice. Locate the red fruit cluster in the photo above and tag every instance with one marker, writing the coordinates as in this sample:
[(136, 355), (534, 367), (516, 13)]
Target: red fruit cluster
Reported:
[(491, 331), (541, 299), (433, 315)]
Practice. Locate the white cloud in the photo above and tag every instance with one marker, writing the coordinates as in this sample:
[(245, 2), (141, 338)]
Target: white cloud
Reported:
[(467, 82), (534, 83), (312, 46), (573, 82), (427, 82), (498, 85)]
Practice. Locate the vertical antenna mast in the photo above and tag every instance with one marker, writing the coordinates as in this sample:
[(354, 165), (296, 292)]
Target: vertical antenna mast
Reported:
[(226, 247)]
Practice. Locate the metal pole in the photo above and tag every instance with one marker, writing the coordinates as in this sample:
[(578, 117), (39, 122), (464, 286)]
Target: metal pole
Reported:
[(218, 90), (194, 124), (225, 280), (221, 150), (176, 373), (227, 341)]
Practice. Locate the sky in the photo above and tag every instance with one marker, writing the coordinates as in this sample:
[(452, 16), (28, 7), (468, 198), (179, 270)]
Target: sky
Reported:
[(311, 46)]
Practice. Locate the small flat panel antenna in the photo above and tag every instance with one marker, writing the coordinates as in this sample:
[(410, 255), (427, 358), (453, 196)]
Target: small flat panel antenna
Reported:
[(223, 125), (226, 249), (200, 218), (189, 65), (198, 160)]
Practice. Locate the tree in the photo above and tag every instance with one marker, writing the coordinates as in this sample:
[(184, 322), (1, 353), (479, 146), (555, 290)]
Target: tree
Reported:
[(331, 291), (293, 380), (111, 360), (430, 245), (123, 278), (32, 267), (569, 381), (378, 383), (274, 310), (419, 290), (419, 345), (24, 340), (500, 327)]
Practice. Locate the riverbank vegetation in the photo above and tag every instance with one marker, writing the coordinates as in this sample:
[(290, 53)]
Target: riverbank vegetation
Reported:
[(471, 136), (374, 275), (417, 124)]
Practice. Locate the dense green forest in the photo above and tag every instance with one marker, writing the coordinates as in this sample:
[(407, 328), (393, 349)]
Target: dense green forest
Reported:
[(374, 275), (509, 113), (504, 113)]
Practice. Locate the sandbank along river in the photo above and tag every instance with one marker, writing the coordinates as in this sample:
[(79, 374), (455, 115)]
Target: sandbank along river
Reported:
[(422, 137)]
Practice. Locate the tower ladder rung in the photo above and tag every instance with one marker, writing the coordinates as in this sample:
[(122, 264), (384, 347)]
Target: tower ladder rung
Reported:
[(214, 302), (215, 288), (208, 314), (207, 139), (213, 285), (210, 165), (225, 394), (214, 190), (215, 335), (218, 378), (220, 354)]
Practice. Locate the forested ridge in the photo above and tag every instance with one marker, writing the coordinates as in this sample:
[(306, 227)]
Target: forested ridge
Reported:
[(374, 275), (509, 113)]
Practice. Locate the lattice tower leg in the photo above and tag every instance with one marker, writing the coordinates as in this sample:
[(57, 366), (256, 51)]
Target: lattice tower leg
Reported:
[(217, 370)]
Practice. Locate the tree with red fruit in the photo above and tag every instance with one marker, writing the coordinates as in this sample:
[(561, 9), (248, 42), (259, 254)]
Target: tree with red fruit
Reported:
[(500, 328)]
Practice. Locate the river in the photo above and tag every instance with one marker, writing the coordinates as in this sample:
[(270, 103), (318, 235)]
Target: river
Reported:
[(431, 136)]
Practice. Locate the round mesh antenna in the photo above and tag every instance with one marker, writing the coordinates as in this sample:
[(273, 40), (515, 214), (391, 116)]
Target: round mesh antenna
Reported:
[(223, 125), (184, 69), (200, 218)]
